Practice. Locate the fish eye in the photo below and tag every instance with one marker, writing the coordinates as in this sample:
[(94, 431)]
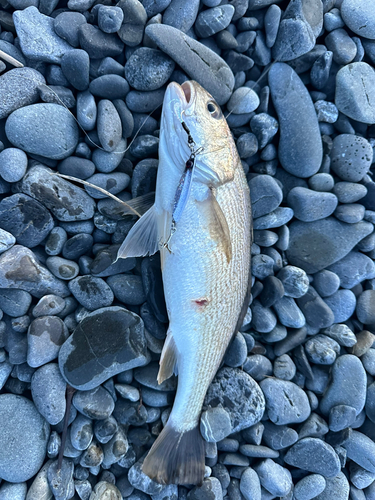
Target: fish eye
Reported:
[(214, 110)]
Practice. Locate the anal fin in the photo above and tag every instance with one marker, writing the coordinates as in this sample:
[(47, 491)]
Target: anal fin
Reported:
[(168, 359)]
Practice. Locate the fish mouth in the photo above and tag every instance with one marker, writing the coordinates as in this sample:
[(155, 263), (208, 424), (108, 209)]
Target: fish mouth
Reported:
[(185, 93)]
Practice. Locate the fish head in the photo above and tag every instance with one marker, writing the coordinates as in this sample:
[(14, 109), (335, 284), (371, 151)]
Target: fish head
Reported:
[(188, 109)]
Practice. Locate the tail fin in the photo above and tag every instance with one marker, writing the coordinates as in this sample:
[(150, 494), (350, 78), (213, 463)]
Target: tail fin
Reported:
[(176, 458)]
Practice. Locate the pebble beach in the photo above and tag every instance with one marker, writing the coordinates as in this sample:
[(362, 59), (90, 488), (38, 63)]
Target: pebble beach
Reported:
[(290, 414)]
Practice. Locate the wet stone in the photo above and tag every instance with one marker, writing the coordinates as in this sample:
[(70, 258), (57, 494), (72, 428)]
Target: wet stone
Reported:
[(20, 269), (239, 395), (105, 429), (76, 246), (210, 490), (48, 392), (86, 369), (344, 390), (331, 240), (27, 219), (49, 305), (20, 460), (66, 201), (139, 480)]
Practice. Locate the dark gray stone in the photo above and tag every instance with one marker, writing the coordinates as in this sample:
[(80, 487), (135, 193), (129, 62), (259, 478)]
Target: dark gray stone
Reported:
[(27, 219), (131, 31), (342, 304), (330, 239), (84, 368), (289, 314), (341, 45), (148, 69), (300, 146), (314, 455), (199, 62), (23, 436), (266, 195), (309, 205), (66, 26), (211, 21), (75, 66), (110, 86), (366, 307), (317, 313), (97, 43)]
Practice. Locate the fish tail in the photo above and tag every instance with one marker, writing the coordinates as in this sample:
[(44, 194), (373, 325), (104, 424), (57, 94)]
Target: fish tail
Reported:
[(176, 457)]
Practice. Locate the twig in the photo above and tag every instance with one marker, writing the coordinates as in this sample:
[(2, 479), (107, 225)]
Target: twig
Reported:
[(10, 59)]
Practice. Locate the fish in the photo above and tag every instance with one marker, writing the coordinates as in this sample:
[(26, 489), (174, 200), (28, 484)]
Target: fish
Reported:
[(201, 223)]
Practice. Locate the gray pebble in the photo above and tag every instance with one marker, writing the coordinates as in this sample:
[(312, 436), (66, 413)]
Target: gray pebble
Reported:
[(309, 487), (81, 432), (66, 26), (326, 283), (342, 334), (49, 305), (341, 45), (355, 92), (148, 69), (13, 491), (349, 192), (75, 66), (48, 392), (279, 437), (359, 16), (109, 125), (127, 288), (99, 44), (360, 449), (21, 459), (284, 368), (341, 417), (289, 314), (337, 488), (250, 485), (181, 15), (243, 100), (43, 129), (91, 292), (286, 403), (60, 481), (264, 127), (96, 404), (294, 280), (215, 424), (366, 307), (264, 204), (322, 350), (104, 490), (342, 304), (211, 21), (62, 268), (340, 238), (86, 110), (316, 311), (7, 240), (322, 182), (299, 131), (37, 36), (344, 390), (110, 18), (199, 62), (131, 32), (236, 352), (263, 318), (326, 111), (13, 164), (258, 366), (309, 205), (353, 269), (314, 455), (351, 157), (274, 478)]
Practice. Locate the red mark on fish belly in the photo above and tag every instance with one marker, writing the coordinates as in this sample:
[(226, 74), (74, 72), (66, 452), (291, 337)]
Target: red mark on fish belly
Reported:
[(203, 302)]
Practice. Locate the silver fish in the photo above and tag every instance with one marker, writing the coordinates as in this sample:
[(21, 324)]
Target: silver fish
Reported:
[(205, 258)]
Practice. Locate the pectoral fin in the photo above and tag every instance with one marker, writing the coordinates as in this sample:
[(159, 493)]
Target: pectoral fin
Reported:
[(142, 239), (138, 205), (218, 224), (168, 360)]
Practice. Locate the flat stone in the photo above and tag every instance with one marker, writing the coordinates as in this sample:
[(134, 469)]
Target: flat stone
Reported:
[(355, 92), (37, 36), (300, 146), (19, 268), (43, 129), (198, 61), (348, 385), (86, 362), (239, 395), (309, 205), (18, 88), (23, 438), (66, 201), (286, 403), (316, 245), (314, 455), (361, 449), (97, 43)]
